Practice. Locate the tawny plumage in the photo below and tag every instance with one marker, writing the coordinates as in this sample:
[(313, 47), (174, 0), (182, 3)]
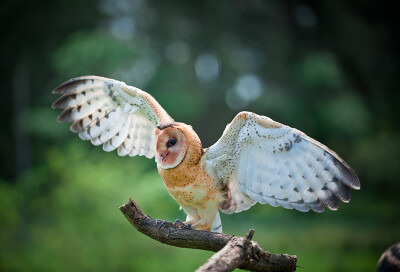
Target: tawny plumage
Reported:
[(255, 160)]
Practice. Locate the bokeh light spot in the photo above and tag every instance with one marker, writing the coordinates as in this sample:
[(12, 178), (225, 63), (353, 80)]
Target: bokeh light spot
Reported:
[(207, 67), (177, 52), (234, 101), (123, 28), (248, 87)]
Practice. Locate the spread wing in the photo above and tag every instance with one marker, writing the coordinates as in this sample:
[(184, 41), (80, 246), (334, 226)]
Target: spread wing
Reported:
[(109, 112), (260, 160)]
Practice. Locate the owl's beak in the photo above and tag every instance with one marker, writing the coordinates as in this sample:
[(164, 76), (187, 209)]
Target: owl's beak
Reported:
[(163, 157), (165, 125)]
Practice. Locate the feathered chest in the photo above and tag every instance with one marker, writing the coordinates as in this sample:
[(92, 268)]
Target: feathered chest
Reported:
[(190, 185), (180, 176)]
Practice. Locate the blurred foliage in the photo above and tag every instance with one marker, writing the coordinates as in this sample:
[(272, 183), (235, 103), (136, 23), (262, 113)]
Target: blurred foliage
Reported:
[(328, 68)]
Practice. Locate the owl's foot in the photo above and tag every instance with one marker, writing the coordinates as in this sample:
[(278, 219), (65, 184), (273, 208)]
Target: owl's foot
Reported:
[(162, 223), (179, 224)]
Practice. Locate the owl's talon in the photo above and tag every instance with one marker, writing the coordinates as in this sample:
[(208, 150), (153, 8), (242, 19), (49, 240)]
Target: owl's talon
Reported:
[(162, 223), (178, 224), (188, 226)]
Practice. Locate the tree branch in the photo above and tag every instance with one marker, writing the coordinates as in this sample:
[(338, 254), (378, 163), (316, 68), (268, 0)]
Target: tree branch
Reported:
[(229, 257), (233, 251)]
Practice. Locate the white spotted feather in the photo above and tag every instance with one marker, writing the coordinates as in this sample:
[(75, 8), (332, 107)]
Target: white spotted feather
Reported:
[(110, 113), (270, 163)]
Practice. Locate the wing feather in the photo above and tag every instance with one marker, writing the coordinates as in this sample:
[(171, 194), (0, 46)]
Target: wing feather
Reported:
[(277, 165), (110, 113)]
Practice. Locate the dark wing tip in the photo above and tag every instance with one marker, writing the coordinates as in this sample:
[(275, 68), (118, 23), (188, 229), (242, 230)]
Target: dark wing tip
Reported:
[(349, 177), (316, 206), (69, 85), (60, 102), (77, 126), (332, 202), (65, 116), (342, 191)]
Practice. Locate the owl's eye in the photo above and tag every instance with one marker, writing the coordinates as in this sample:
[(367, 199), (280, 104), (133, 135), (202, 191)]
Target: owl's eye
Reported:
[(171, 142)]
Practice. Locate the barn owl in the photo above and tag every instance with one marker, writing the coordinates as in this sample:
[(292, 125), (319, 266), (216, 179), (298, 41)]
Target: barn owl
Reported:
[(255, 160)]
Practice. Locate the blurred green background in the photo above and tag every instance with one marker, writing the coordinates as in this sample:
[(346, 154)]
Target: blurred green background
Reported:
[(328, 68)]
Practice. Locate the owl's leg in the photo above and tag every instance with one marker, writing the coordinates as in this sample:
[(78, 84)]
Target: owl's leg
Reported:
[(207, 216), (192, 215)]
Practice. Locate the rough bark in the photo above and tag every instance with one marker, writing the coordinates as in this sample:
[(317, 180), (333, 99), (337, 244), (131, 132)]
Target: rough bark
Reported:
[(233, 251), (229, 257)]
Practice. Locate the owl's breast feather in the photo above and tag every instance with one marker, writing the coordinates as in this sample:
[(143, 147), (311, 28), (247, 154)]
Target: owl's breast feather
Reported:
[(190, 186)]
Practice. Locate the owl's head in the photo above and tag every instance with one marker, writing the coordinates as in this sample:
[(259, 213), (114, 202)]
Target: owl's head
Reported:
[(171, 145)]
